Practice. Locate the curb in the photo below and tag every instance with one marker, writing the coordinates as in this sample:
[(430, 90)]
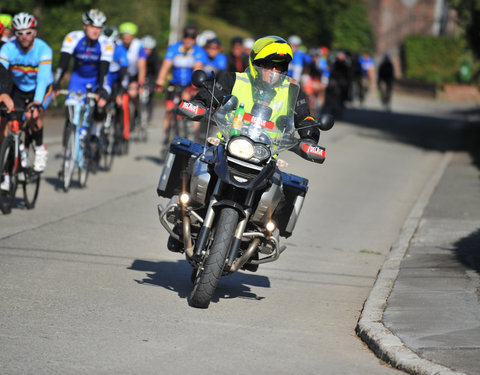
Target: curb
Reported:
[(370, 327)]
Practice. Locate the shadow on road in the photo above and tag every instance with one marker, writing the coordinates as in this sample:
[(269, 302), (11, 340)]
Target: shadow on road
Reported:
[(423, 131), (466, 250), (175, 276)]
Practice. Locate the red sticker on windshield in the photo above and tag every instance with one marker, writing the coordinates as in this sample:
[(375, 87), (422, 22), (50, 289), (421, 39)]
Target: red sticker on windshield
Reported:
[(255, 120)]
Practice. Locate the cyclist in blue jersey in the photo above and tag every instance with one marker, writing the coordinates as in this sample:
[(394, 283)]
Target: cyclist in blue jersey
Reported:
[(300, 59), (182, 58), (29, 60), (92, 53), (216, 60)]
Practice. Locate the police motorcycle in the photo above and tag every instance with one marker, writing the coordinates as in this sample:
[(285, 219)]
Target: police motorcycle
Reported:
[(229, 202)]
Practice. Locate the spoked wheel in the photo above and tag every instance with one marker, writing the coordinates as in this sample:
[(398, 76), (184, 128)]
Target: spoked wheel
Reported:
[(68, 160), (85, 166), (31, 180), (209, 272), (107, 148), (8, 178)]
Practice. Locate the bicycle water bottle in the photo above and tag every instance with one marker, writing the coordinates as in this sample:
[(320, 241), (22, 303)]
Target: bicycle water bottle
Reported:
[(82, 134), (237, 120)]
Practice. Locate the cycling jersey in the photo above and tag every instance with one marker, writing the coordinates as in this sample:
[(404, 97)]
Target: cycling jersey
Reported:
[(135, 51), (295, 68), (87, 54), (216, 64), (120, 60), (183, 62), (31, 70)]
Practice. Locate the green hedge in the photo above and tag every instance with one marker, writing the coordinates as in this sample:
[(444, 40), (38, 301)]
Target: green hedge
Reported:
[(433, 59)]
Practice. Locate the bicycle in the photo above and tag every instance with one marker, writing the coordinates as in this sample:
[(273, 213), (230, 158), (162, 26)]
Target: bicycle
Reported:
[(77, 144), (17, 156), (177, 125), (107, 145), (146, 111)]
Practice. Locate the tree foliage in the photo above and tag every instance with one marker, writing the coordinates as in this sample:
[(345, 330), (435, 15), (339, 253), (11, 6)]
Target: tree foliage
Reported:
[(469, 20)]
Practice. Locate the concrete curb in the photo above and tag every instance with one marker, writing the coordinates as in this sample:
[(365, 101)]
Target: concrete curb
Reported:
[(370, 328)]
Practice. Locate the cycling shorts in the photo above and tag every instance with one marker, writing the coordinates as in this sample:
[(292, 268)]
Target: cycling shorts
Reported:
[(79, 83), (21, 98)]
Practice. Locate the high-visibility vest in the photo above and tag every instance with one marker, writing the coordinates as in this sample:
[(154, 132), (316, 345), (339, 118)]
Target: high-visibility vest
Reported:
[(242, 89)]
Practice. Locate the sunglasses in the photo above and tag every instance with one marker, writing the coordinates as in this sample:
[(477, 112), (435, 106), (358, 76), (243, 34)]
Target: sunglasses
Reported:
[(25, 32), (273, 65)]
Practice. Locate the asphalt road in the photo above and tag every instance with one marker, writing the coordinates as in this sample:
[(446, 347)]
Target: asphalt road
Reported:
[(88, 285)]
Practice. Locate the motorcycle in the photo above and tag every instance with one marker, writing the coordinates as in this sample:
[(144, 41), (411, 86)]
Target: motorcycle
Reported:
[(229, 201)]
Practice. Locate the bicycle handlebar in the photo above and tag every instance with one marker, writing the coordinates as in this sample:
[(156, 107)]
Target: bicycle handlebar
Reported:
[(78, 94)]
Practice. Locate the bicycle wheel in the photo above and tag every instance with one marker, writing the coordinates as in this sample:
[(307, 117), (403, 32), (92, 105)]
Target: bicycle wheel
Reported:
[(8, 173), (84, 165), (68, 158), (107, 147), (31, 180)]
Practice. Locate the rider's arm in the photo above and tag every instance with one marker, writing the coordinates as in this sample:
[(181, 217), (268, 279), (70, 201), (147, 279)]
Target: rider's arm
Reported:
[(223, 87), (303, 118), (44, 75), (162, 75), (142, 66), (61, 69), (6, 82)]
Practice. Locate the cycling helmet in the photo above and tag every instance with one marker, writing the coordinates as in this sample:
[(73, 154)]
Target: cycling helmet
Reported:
[(270, 49), (128, 28), (22, 21), (248, 43), (205, 36), (190, 31), (294, 40), (6, 20), (111, 32), (149, 42), (94, 17)]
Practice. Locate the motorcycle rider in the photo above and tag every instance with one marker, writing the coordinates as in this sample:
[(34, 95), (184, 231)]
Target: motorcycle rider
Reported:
[(273, 54), (268, 65)]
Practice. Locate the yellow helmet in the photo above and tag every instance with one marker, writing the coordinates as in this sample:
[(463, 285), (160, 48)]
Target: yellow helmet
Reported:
[(271, 50)]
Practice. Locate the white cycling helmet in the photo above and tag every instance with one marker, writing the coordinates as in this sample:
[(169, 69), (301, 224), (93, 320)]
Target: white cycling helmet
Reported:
[(294, 40), (22, 21), (94, 17), (204, 36), (149, 42)]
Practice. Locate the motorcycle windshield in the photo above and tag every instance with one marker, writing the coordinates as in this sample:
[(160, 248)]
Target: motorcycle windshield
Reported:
[(268, 100)]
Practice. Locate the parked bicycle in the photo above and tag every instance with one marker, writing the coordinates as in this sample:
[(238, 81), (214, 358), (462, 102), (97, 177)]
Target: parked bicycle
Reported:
[(17, 156), (77, 144)]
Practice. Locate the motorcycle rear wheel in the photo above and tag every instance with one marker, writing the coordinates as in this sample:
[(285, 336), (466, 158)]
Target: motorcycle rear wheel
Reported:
[(207, 276)]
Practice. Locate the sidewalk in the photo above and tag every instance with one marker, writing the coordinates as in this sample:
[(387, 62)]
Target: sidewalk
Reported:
[(423, 315)]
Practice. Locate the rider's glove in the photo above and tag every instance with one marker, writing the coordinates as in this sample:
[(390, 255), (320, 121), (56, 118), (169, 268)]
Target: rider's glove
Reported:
[(194, 110), (308, 130)]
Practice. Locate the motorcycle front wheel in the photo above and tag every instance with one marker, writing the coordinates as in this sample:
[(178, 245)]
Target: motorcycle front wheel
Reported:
[(208, 275)]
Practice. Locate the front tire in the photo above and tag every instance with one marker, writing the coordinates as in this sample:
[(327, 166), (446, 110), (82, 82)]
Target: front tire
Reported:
[(31, 183), (68, 159), (207, 276), (7, 168)]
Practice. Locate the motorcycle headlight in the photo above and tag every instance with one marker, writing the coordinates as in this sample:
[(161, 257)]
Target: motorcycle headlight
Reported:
[(245, 149), (241, 148)]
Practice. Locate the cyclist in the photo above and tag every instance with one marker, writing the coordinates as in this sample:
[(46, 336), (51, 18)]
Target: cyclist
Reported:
[(92, 53), (300, 59), (137, 63), (237, 59), (29, 59), (118, 81), (182, 58), (154, 62), (216, 60), (6, 33)]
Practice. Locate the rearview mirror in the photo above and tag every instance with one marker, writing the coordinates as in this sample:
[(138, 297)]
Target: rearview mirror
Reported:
[(199, 77), (326, 122)]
